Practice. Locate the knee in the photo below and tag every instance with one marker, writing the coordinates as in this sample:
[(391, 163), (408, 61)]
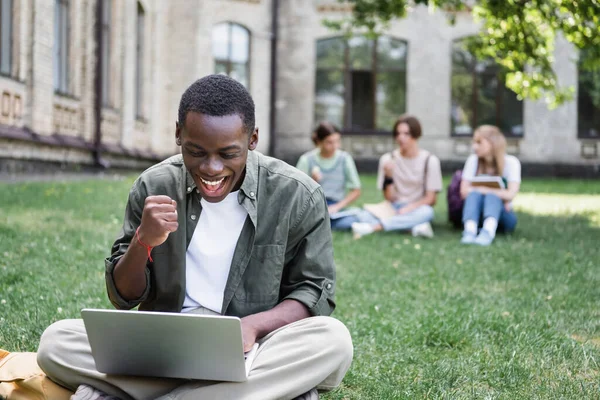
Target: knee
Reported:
[(474, 200), (337, 338), (474, 195), (427, 212), (50, 345), (492, 198)]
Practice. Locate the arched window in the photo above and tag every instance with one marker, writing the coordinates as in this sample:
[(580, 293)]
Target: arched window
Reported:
[(231, 51), (139, 62), (588, 102), (361, 82), (479, 96), (61, 46)]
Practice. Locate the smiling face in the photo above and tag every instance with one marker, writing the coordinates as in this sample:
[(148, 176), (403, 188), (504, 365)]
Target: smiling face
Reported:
[(215, 150)]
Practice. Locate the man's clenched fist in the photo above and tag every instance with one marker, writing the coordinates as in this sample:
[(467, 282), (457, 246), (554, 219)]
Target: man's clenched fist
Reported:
[(159, 219)]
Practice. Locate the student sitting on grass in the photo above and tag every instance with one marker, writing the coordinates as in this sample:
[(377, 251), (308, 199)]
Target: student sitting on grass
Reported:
[(221, 230), (410, 179), (494, 205), (335, 171)]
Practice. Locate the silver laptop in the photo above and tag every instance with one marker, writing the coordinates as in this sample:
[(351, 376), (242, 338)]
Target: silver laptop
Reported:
[(168, 345)]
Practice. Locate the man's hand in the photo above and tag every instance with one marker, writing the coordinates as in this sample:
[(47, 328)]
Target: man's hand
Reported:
[(159, 219), (249, 334), (257, 326)]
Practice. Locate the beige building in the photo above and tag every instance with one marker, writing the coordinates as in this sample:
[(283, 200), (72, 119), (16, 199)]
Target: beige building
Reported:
[(97, 82)]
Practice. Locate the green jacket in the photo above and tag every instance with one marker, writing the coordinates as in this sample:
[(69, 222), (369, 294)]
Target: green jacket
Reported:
[(284, 251)]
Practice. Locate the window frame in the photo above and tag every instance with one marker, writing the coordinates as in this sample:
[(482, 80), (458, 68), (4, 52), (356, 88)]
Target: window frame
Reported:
[(62, 51), (8, 51), (347, 70), (106, 95), (475, 77), (582, 133), (140, 50), (228, 63)]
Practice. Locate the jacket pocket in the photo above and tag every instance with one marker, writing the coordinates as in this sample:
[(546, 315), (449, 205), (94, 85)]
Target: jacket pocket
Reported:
[(262, 277)]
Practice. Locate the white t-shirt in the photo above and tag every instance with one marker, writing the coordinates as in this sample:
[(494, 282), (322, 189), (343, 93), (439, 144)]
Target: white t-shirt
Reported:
[(209, 255), (409, 175), (512, 168)]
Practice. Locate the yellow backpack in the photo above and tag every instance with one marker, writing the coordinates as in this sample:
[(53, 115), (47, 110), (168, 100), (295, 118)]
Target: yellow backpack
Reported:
[(22, 379)]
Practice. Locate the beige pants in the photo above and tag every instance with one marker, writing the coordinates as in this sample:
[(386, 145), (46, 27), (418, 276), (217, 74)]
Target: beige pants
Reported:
[(313, 352)]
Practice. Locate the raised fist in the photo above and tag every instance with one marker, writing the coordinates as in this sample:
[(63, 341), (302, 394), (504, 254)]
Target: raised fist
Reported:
[(159, 219)]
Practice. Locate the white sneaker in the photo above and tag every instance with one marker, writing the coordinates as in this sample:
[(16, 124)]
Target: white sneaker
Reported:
[(423, 229), (360, 229)]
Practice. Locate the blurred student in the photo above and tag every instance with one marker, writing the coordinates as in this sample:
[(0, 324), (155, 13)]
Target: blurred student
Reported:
[(410, 179), (335, 171), (494, 206)]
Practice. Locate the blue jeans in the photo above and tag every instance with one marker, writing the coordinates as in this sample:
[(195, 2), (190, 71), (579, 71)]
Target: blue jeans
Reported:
[(479, 205), (407, 221), (400, 222), (344, 223)]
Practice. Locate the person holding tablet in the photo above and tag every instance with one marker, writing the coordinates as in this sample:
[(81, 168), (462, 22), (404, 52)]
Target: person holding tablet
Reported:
[(487, 198)]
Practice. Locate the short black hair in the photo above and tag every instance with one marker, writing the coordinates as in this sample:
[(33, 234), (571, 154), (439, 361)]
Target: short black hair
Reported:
[(218, 96)]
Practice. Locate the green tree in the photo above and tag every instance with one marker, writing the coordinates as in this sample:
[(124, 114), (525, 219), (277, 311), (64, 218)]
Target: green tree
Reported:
[(519, 35)]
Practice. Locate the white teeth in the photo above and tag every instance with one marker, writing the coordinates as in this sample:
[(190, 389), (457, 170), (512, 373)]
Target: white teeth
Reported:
[(212, 183)]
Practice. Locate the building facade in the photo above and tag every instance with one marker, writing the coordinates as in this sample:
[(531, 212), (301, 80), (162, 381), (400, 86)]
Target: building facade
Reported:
[(97, 82)]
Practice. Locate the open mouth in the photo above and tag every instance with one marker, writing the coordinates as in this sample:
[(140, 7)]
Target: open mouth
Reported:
[(214, 188)]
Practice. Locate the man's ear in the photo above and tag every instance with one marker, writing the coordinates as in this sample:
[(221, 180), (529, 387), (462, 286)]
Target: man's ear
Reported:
[(253, 142), (177, 134)]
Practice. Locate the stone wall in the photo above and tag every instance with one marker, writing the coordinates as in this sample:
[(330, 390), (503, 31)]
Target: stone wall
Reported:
[(178, 50)]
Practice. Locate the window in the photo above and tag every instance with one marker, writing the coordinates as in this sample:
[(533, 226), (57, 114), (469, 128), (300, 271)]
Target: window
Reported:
[(231, 51), (61, 46), (479, 96), (588, 102), (360, 82), (105, 52), (139, 63), (6, 30)]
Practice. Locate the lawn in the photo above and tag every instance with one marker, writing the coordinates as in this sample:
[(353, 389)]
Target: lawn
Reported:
[(429, 318)]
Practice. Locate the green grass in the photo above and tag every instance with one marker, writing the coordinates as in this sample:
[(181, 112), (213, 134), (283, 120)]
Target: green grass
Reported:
[(429, 318)]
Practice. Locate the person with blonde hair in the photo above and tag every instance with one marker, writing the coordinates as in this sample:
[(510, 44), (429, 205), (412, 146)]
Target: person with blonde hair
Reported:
[(493, 205)]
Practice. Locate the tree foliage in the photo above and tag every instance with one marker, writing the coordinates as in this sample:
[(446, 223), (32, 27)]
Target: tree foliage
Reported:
[(520, 35)]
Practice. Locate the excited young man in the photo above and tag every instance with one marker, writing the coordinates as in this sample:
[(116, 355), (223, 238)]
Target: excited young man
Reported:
[(221, 229)]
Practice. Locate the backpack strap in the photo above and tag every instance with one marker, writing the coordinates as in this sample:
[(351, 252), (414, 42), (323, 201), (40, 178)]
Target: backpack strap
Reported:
[(425, 174)]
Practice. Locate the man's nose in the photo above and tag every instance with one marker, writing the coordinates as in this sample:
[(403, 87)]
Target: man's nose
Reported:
[(213, 166)]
